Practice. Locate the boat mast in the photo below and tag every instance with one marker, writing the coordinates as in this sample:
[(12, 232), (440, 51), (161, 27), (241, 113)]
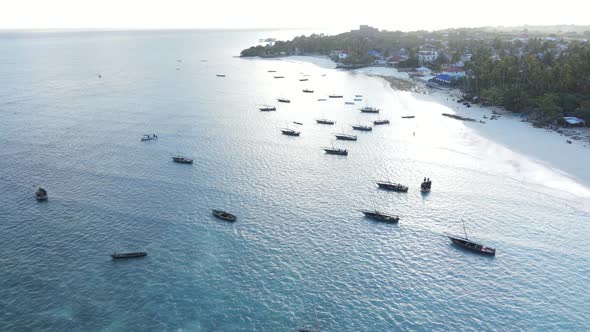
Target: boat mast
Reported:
[(464, 229)]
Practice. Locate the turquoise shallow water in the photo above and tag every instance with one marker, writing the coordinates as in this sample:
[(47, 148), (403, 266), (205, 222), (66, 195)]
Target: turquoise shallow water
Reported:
[(300, 254)]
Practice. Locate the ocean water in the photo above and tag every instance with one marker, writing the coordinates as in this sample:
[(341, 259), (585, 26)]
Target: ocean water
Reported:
[(300, 255)]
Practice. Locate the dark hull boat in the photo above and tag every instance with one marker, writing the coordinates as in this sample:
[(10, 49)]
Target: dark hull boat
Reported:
[(376, 215), (408, 117), (336, 151), (473, 246), (267, 109), (149, 137), (283, 100), (380, 122), (345, 137), (298, 123), (303, 79), (129, 255), (325, 121), (220, 75), (279, 76), (362, 128), (272, 71), (335, 96), (369, 110), (308, 91), (290, 132), (392, 186), (224, 215), (182, 160), (426, 186), (41, 194)]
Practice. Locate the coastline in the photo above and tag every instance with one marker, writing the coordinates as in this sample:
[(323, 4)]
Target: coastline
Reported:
[(542, 146)]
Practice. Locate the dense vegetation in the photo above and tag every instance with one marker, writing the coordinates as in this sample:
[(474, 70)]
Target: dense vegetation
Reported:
[(543, 77)]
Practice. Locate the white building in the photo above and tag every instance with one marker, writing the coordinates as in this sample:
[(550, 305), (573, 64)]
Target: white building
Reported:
[(427, 56)]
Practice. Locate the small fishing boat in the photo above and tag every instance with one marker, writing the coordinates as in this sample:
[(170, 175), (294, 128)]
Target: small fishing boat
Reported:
[(362, 127), (129, 254), (322, 99), (182, 160), (336, 151), (224, 215), (298, 123), (283, 100), (325, 121), (272, 71), (358, 96), (426, 185), (323, 75), (380, 122), (279, 77), (267, 108), (220, 75), (335, 96), (368, 109), (41, 194), (408, 116), (290, 132), (307, 91), (345, 137), (303, 79), (358, 99), (387, 185), (380, 216), (466, 243), (349, 103), (149, 137)]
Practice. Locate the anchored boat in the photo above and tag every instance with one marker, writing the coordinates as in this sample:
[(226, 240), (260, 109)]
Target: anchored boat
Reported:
[(336, 151), (290, 132), (149, 137), (267, 108), (41, 194), (283, 100), (426, 185), (368, 109), (466, 243), (345, 137), (387, 185), (380, 122), (308, 91), (182, 160), (376, 215), (224, 215), (362, 128), (129, 254), (325, 121)]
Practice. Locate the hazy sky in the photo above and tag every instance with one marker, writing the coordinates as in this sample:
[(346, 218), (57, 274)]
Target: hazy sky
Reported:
[(390, 15)]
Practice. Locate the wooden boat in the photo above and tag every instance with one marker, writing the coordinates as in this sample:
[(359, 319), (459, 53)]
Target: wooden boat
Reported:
[(426, 185), (368, 109), (336, 151), (349, 103), (466, 243), (387, 185), (380, 122), (267, 108), (283, 100), (272, 71), (224, 215), (307, 91), (362, 128), (290, 132), (220, 75), (149, 137), (345, 137), (358, 99), (358, 96), (408, 116), (325, 121), (335, 96), (279, 77), (41, 194), (376, 215), (129, 254), (298, 123), (322, 99), (303, 79), (182, 160)]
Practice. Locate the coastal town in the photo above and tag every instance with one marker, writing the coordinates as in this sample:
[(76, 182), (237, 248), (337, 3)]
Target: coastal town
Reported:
[(541, 73)]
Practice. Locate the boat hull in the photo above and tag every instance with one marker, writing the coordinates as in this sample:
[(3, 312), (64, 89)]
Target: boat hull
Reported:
[(472, 246), (393, 187), (129, 255), (224, 215), (380, 217), (345, 138)]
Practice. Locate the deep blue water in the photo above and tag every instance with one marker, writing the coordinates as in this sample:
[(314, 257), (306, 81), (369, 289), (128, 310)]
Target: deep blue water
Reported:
[(300, 255)]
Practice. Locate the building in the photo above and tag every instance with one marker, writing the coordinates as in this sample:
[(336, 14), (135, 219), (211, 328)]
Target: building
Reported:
[(424, 71), (454, 72), (366, 30), (340, 54)]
